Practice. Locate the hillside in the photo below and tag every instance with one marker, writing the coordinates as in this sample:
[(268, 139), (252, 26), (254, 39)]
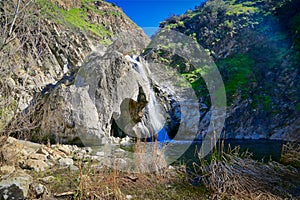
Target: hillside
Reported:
[(255, 45), (44, 42)]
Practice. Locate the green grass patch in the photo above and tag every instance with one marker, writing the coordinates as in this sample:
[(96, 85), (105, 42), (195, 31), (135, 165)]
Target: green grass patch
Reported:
[(263, 100), (297, 107), (241, 8), (77, 18), (237, 74)]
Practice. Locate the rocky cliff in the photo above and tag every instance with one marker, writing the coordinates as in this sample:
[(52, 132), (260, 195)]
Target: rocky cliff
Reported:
[(255, 45), (43, 45)]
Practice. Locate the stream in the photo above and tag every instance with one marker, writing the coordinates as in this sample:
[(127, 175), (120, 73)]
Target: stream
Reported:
[(262, 150)]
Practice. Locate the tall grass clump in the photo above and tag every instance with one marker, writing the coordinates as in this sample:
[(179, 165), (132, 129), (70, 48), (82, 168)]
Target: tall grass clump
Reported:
[(290, 154), (236, 176)]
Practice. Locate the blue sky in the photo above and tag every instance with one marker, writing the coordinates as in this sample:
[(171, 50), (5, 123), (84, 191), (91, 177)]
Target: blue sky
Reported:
[(148, 13)]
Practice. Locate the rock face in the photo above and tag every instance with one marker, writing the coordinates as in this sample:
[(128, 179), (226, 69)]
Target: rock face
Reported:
[(55, 48), (107, 97)]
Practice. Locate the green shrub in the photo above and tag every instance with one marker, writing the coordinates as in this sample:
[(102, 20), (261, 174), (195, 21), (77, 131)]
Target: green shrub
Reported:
[(237, 74)]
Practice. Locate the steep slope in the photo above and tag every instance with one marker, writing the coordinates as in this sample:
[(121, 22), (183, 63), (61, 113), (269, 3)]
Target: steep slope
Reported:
[(44, 42), (255, 45)]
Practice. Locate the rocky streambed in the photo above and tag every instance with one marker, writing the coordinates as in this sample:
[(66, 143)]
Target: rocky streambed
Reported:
[(25, 165)]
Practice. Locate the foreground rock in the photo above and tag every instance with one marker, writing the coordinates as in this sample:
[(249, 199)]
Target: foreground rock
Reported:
[(30, 170), (22, 160), (15, 185)]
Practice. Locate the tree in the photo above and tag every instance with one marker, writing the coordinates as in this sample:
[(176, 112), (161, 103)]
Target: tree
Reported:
[(20, 32)]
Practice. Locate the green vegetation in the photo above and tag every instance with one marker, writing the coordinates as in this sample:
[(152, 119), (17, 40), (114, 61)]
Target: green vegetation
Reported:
[(241, 8), (237, 74), (297, 107), (295, 23), (197, 82), (253, 43), (78, 17), (265, 101)]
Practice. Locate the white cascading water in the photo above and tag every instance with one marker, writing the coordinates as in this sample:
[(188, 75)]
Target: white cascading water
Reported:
[(155, 111)]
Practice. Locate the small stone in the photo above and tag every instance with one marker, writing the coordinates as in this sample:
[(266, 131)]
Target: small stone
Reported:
[(58, 154), (36, 165), (65, 162), (171, 167), (96, 158), (74, 168), (37, 156), (129, 197), (11, 83), (48, 179), (65, 149), (88, 149), (43, 150), (100, 153), (125, 140), (7, 169), (39, 190), (119, 150)]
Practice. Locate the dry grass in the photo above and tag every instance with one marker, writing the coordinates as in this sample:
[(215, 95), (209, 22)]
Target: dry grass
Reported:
[(228, 175), (103, 182), (290, 154), (149, 158)]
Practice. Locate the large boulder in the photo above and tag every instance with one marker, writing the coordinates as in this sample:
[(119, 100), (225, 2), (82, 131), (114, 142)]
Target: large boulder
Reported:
[(107, 92)]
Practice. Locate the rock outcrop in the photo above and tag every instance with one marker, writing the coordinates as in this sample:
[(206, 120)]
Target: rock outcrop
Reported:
[(106, 89), (51, 45)]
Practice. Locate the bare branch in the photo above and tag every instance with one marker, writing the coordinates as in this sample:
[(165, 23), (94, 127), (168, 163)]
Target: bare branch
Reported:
[(15, 17)]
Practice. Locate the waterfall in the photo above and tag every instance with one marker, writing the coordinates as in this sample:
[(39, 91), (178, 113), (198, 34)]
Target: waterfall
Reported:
[(154, 120)]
